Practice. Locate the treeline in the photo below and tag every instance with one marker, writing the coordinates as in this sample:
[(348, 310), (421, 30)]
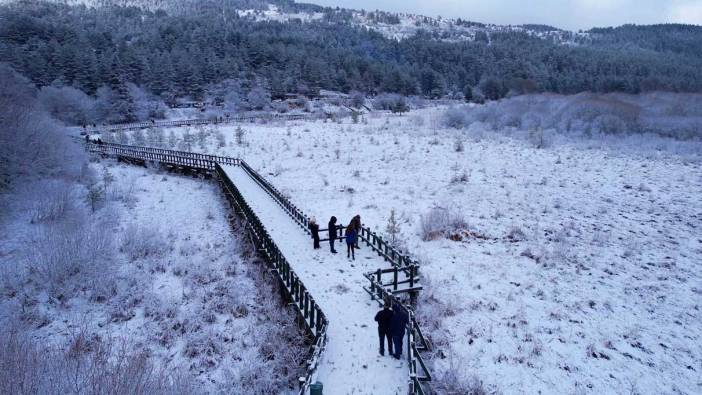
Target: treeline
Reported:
[(175, 54)]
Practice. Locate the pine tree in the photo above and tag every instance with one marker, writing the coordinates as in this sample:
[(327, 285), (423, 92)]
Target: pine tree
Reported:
[(393, 228)]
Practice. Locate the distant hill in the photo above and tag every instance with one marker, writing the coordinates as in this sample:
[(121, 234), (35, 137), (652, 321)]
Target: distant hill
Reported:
[(185, 47)]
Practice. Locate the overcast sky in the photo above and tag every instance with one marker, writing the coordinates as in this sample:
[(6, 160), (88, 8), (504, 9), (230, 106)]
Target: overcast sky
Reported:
[(567, 14)]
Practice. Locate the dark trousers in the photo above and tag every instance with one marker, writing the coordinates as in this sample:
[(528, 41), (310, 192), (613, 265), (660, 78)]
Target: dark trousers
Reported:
[(383, 336), (316, 242), (397, 341), (331, 244), (349, 251)]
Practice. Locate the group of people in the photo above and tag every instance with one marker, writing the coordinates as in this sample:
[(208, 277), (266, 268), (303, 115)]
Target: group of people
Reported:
[(391, 328), (351, 234), (391, 321)]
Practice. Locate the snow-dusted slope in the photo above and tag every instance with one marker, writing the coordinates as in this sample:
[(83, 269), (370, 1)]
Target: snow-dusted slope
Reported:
[(587, 278)]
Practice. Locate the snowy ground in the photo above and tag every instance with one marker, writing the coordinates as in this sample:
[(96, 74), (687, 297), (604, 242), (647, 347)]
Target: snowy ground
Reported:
[(183, 290), (579, 268)]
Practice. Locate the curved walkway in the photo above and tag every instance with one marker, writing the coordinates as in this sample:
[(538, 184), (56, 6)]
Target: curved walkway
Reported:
[(351, 363)]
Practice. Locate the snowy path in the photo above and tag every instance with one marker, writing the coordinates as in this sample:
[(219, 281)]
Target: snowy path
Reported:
[(351, 363)]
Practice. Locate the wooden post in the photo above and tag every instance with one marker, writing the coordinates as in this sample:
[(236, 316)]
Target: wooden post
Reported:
[(319, 319), (302, 293), (411, 276), (313, 306), (394, 279), (307, 304), (378, 275)]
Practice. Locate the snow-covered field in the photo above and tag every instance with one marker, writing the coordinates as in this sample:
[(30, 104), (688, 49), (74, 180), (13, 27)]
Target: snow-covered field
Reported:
[(181, 289), (577, 269)]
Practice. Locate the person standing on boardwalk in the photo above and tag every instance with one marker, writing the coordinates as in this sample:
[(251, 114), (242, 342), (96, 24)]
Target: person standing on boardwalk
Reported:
[(356, 221), (314, 229), (350, 241), (332, 233), (384, 318), (398, 323)]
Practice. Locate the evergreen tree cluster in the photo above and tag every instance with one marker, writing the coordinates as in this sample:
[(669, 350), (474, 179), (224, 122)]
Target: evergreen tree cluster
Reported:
[(175, 54)]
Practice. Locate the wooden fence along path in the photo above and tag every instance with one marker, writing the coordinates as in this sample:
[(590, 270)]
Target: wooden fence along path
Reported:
[(328, 292), (209, 121)]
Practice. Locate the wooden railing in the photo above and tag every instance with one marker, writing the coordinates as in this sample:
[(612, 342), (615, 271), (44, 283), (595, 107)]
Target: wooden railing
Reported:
[(170, 157), (416, 342), (309, 313), (315, 321), (385, 250), (208, 121)]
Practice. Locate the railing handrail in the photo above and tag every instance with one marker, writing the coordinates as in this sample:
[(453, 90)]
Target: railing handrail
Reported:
[(206, 121)]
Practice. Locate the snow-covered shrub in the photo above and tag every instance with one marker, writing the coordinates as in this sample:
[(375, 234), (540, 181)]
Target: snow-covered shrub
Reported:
[(441, 222), (258, 98), (86, 364), (72, 255), (32, 145), (55, 199), (460, 177), (390, 102), (146, 105), (139, 241), (456, 117), (454, 379), (357, 99), (68, 104), (515, 234)]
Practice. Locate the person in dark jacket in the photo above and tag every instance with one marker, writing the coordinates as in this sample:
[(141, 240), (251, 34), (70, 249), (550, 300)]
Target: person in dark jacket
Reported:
[(356, 221), (383, 318), (314, 229), (332, 233), (350, 241), (397, 328)]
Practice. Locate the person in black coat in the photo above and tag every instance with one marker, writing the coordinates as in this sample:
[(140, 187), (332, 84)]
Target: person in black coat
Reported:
[(397, 328), (332, 233), (384, 318), (314, 229)]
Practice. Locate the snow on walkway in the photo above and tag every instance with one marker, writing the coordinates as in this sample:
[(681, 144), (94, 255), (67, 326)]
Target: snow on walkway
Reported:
[(351, 363)]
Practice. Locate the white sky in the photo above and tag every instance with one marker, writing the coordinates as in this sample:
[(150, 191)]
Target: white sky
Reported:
[(567, 14)]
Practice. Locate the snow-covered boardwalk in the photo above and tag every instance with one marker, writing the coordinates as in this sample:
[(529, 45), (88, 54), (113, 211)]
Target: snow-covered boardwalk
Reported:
[(351, 363)]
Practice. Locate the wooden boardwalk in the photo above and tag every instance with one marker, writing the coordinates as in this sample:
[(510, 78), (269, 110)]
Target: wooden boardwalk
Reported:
[(336, 299), (351, 361)]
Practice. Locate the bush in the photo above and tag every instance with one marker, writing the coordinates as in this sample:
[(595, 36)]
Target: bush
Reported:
[(391, 102), (52, 200), (69, 256), (31, 144), (68, 104), (441, 222), (140, 242), (358, 99), (87, 364), (456, 118)]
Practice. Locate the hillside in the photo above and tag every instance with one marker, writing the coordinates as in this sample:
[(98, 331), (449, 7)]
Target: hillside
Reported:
[(185, 48)]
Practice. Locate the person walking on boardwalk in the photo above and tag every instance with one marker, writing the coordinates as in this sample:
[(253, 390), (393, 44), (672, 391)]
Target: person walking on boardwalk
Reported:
[(332, 233), (350, 241), (314, 229), (356, 221), (384, 318), (397, 328)]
